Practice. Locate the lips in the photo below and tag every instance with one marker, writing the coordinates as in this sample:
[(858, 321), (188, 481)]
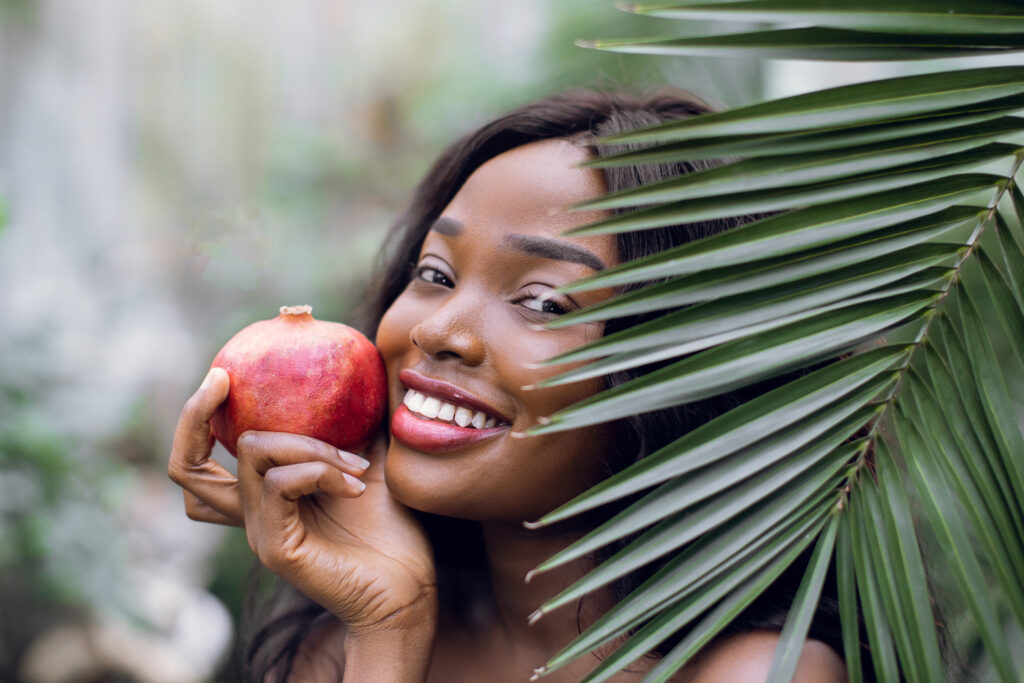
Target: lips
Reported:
[(435, 432), (449, 393)]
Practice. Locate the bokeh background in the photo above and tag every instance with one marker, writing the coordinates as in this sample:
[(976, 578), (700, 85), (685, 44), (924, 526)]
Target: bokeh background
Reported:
[(172, 170)]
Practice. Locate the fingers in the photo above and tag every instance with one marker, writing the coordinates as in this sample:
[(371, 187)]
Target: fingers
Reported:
[(198, 510), (213, 488), (262, 454), (279, 531), (262, 451), (276, 469), (284, 486)]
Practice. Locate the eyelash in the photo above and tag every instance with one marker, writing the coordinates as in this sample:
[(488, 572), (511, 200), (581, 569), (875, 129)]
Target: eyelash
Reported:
[(437, 278), (545, 303), (548, 306)]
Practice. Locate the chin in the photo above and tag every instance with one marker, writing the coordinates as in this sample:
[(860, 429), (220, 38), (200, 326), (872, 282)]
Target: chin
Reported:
[(423, 483), (446, 486)]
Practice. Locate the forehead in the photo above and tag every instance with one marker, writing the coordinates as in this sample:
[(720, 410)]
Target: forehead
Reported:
[(528, 190)]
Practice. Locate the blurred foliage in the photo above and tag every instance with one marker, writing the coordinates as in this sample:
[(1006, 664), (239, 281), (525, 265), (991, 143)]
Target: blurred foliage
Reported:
[(21, 11), (234, 574), (35, 469), (56, 511)]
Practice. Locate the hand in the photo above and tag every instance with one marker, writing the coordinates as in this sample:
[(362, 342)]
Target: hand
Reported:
[(359, 553)]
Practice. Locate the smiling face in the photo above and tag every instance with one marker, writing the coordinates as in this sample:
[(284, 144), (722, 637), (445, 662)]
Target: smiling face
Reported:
[(465, 337)]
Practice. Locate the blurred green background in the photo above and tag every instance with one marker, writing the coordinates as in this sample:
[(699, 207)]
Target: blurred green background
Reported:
[(171, 171)]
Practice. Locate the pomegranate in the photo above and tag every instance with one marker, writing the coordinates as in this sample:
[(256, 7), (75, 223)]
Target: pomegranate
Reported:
[(296, 374)]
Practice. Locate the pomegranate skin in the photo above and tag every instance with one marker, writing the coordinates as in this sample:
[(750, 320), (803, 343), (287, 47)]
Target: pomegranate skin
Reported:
[(300, 375)]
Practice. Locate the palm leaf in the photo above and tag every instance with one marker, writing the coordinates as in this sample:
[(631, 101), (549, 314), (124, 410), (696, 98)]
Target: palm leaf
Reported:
[(821, 43), (889, 189), (907, 17), (765, 144)]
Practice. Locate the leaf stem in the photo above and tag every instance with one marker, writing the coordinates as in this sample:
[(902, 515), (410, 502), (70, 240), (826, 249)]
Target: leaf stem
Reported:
[(862, 459)]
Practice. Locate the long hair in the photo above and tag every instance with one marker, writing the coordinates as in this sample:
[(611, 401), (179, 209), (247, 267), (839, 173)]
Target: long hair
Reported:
[(583, 116)]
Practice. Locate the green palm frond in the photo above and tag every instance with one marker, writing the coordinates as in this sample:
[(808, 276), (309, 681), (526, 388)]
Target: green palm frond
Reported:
[(900, 249)]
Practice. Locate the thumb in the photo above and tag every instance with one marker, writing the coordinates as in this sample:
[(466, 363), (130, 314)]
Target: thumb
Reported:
[(192, 438)]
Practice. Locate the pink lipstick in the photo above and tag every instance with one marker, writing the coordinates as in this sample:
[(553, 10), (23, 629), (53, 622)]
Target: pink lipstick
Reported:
[(435, 416), (431, 436), (448, 392)]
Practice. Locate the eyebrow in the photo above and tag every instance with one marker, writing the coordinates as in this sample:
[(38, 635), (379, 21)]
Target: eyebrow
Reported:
[(447, 226), (546, 247)]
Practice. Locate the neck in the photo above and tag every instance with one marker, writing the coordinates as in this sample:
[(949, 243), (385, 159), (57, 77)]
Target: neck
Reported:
[(512, 551)]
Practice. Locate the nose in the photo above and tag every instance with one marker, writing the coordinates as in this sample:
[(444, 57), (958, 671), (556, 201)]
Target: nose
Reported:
[(452, 331)]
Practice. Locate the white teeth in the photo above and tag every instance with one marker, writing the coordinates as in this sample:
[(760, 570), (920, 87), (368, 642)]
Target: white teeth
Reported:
[(430, 407), (463, 416), (433, 408), (414, 399)]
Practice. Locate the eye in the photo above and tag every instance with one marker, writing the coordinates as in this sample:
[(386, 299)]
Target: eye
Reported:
[(544, 306), (546, 303), (433, 276)]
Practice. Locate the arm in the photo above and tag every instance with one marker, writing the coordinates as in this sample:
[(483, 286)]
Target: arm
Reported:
[(398, 653)]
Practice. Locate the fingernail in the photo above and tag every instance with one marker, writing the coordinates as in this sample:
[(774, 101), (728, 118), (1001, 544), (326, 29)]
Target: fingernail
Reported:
[(207, 379), (353, 459), (359, 486)]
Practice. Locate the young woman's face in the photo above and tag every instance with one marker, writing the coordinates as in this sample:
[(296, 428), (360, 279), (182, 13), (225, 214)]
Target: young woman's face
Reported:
[(465, 337)]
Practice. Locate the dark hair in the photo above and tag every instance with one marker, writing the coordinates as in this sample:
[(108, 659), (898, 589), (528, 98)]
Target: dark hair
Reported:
[(583, 116)]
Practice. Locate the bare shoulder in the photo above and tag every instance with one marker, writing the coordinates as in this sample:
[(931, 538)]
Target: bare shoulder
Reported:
[(748, 657)]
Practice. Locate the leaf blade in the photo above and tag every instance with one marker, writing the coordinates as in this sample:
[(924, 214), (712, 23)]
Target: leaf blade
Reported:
[(847, 105), (801, 230), (910, 16), (740, 427), (932, 490), (720, 369), (818, 43), (798, 622)]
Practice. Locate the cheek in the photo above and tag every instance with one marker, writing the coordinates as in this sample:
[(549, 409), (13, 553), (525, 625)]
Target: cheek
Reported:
[(542, 402), (390, 331), (394, 343), (393, 333)]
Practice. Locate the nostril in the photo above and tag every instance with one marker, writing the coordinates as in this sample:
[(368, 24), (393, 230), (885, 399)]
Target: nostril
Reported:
[(451, 337)]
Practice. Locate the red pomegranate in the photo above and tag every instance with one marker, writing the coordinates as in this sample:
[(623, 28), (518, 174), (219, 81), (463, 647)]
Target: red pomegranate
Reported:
[(296, 374)]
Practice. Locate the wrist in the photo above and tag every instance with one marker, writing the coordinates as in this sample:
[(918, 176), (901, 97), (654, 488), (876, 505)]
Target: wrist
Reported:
[(396, 650)]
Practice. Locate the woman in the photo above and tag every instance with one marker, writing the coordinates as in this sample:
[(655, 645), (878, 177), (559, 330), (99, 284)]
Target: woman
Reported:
[(403, 588)]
